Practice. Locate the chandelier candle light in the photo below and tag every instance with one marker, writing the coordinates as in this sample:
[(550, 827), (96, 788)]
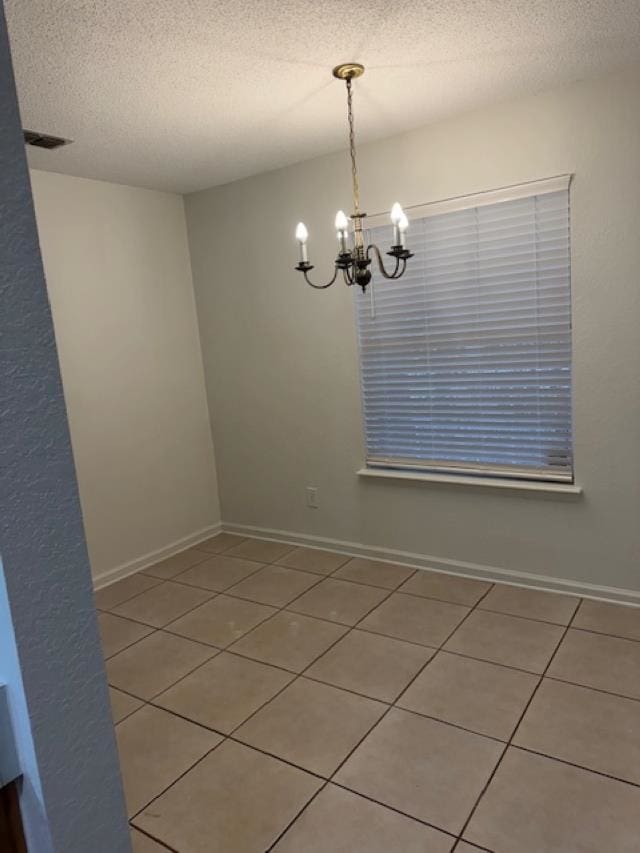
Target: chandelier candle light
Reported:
[(354, 259)]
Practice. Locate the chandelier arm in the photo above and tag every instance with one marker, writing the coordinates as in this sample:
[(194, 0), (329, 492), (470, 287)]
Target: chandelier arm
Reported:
[(320, 286), (398, 271)]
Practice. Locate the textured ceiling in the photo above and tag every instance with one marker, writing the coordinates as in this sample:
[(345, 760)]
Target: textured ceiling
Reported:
[(186, 94)]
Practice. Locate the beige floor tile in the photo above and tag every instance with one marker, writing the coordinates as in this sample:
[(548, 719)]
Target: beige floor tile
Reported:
[(155, 663), (313, 560), (224, 691), (289, 640), (424, 768), (376, 666), (143, 844), (117, 633), (236, 800), (508, 640), (374, 573), (172, 566), (338, 821), (476, 695), (260, 550), (606, 663), (219, 572), (275, 585), (155, 748), (465, 847), (451, 588), (619, 620), (535, 804), (418, 620), (162, 604), (122, 704), (339, 601), (312, 725), (220, 543), (596, 730), (114, 594), (531, 603), (221, 620)]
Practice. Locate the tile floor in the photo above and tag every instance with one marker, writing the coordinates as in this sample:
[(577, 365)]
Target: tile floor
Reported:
[(276, 698)]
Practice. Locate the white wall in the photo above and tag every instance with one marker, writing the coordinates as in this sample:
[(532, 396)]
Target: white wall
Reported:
[(281, 360), (119, 279)]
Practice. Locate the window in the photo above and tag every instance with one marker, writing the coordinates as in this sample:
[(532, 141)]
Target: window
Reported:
[(466, 360)]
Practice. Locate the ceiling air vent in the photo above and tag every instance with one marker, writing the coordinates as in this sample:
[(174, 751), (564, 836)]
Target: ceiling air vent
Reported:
[(44, 140)]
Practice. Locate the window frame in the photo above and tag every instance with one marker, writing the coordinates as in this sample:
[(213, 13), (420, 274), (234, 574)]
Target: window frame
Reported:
[(398, 468)]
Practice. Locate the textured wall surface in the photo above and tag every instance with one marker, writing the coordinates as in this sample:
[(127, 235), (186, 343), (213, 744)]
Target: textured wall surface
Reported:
[(282, 363), (76, 805), (116, 260)]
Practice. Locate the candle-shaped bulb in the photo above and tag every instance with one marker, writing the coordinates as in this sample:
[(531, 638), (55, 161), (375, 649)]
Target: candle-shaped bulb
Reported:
[(396, 213), (342, 225), (403, 224), (301, 236), (396, 216)]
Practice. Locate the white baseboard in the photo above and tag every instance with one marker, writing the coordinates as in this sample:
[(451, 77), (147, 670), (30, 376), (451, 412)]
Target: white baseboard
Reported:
[(453, 567), (133, 566)]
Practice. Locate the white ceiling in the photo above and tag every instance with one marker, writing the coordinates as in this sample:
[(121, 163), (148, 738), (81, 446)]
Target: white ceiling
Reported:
[(185, 94)]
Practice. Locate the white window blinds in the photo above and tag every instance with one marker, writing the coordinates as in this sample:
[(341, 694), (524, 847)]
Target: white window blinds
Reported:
[(466, 360)]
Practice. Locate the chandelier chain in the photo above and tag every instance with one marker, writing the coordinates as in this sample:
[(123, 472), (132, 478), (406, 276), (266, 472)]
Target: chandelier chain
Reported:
[(352, 150)]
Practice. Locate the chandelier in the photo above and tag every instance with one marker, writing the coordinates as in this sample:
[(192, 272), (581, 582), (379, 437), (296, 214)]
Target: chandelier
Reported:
[(353, 258)]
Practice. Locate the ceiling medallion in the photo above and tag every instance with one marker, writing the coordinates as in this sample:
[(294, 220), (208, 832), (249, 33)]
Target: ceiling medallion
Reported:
[(354, 259)]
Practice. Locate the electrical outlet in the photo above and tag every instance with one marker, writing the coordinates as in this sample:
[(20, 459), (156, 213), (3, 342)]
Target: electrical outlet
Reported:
[(312, 497)]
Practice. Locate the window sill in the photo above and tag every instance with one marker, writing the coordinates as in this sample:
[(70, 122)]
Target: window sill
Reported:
[(538, 487)]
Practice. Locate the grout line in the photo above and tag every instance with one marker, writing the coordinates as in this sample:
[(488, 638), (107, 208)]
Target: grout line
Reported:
[(527, 618), (595, 689), (574, 764), (447, 723), (491, 662), (603, 634), (297, 815), (131, 695), (133, 643), (130, 713), (517, 726), (130, 598), (177, 779), (182, 677), (139, 621), (470, 844), (153, 838), (260, 567), (147, 572), (273, 755), (395, 809)]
